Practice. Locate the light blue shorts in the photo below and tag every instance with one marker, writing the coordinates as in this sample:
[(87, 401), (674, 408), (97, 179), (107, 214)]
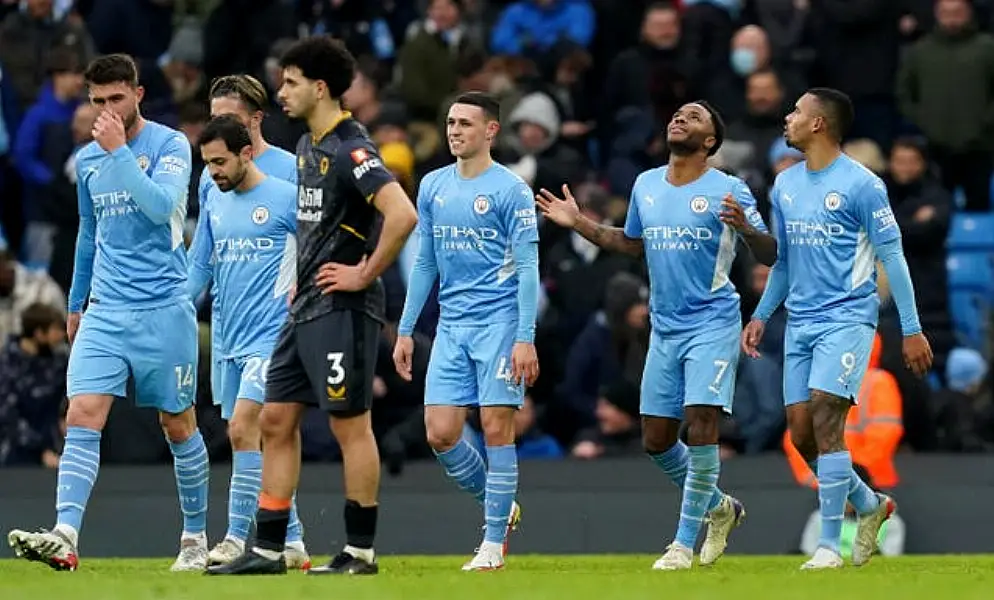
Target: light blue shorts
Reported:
[(696, 369), (829, 357), (233, 379), (471, 366), (157, 347)]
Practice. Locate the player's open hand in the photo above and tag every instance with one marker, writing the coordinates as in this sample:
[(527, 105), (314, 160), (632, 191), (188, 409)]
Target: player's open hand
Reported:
[(732, 214), (403, 355), (751, 336), (917, 354), (72, 325), (336, 277), (108, 131), (561, 211), (524, 364)]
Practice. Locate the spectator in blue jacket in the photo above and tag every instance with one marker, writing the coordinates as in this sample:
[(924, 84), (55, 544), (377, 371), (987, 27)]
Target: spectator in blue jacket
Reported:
[(531, 27)]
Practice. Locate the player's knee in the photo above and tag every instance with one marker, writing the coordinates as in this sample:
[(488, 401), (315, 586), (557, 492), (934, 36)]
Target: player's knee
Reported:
[(498, 425), (703, 423), (275, 424), (244, 433), (659, 435), (178, 428), (88, 411), (443, 427)]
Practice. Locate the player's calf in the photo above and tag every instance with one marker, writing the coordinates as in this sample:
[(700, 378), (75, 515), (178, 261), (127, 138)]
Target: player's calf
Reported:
[(192, 468), (828, 418)]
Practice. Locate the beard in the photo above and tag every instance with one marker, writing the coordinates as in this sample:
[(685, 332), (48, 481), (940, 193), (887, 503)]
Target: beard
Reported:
[(692, 144), (226, 184), (130, 120)]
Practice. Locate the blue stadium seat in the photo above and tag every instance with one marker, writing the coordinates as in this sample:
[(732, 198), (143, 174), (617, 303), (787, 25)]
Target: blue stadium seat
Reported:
[(971, 231), (970, 312), (971, 271)]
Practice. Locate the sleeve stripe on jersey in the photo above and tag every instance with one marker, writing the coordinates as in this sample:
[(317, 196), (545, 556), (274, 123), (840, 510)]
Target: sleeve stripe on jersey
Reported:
[(353, 231)]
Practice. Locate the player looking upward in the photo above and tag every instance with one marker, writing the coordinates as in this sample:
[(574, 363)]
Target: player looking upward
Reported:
[(478, 234), (243, 97), (686, 218), (245, 241), (131, 266), (326, 352), (833, 219)]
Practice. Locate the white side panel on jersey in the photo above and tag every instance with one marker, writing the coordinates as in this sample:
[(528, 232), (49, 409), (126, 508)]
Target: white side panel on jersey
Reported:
[(723, 262), (862, 268), (176, 223), (288, 267), (507, 267)]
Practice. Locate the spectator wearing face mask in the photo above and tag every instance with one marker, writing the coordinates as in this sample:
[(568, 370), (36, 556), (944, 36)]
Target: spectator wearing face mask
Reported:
[(32, 388)]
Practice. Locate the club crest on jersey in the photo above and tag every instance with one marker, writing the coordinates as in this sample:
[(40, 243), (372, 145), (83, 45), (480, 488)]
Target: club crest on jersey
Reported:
[(323, 167), (143, 162), (833, 201), (260, 215), (359, 156), (699, 204), (481, 205)]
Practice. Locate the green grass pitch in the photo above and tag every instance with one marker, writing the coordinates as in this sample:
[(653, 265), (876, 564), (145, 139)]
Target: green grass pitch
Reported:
[(526, 577)]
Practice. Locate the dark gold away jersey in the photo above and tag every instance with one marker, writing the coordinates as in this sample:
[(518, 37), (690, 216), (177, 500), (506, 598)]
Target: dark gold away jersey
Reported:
[(337, 177)]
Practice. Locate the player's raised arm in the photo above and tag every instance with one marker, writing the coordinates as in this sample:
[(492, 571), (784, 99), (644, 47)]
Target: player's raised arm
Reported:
[(85, 249), (565, 213), (157, 196), (739, 212), (877, 219)]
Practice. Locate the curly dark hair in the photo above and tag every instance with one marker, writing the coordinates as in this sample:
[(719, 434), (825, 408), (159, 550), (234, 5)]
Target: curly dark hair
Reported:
[(322, 58)]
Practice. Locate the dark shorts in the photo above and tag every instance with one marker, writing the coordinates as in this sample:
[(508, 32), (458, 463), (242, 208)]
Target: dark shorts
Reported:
[(328, 362)]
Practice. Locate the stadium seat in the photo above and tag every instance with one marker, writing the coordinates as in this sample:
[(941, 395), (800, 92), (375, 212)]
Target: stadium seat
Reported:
[(971, 231), (970, 312), (971, 271)]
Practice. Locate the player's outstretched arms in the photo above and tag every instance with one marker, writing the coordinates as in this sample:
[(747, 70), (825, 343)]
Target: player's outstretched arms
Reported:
[(762, 245), (565, 213)]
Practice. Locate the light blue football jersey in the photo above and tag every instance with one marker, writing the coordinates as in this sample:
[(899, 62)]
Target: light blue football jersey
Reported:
[(473, 226), (132, 206), (252, 237), (827, 223), (689, 251), (274, 162)]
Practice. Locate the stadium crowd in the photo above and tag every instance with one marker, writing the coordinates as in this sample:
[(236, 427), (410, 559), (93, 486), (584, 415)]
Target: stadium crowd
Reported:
[(586, 88)]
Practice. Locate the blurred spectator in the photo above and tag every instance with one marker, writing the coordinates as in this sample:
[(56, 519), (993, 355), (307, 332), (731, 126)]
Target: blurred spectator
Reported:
[(32, 389), (637, 144), (277, 128), (757, 412), (874, 429), (923, 211), (532, 27), (867, 153), (963, 412), (857, 49), (26, 39), (427, 65), (952, 106), (652, 75), (358, 23), (707, 29), (21, 287), (44, 143), (749, 139), (11, 219), (605, 362), (536, 153)]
